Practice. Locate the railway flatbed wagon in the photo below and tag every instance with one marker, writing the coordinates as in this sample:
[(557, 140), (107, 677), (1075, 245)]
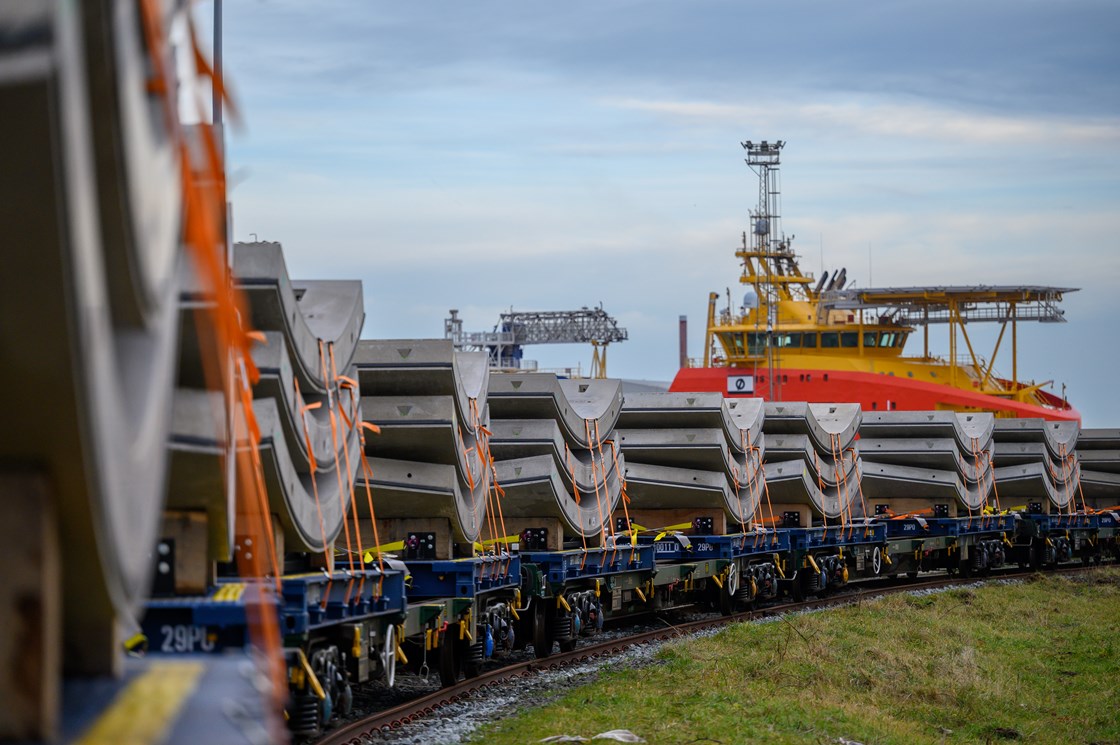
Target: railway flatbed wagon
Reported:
[(461, 612)]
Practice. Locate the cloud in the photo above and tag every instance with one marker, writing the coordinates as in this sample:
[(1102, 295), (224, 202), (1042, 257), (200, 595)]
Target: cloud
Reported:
[(888, 118)]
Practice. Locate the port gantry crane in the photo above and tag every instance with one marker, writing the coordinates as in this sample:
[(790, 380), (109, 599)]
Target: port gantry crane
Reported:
[(516, 329)]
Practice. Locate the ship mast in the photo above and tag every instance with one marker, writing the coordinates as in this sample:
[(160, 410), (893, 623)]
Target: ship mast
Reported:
[(764, 159)]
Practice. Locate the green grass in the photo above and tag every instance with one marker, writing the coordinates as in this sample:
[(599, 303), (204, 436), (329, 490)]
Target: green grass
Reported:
[(1035, 662)]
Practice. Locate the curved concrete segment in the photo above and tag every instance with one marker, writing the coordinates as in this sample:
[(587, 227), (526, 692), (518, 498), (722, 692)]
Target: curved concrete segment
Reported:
[(523, 438), (793, 483), (936, 453), (1038, 460), (739, 418), (306, 312), (832, 468), (1098, 439), (1101, 490), (407, 489), (1099, 451), (1060, 438), (1107, 461), (656, 487), (582, 408), (537, 486), (88, 295), (1037, 481), (910, 488), (430, 403), (424, 367), (305, 419), (832, 426), (971, 431), (704, 449), (310, 507), (427, 430)]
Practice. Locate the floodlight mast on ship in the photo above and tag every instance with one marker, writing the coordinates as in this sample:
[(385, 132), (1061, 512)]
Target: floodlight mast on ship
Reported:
[(793, 339)]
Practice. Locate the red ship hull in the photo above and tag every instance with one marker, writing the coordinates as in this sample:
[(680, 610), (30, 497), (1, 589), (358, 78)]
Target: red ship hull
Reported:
[(872, 391)]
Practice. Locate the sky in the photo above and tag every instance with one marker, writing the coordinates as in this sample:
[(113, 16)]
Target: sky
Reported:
[(544, 156)]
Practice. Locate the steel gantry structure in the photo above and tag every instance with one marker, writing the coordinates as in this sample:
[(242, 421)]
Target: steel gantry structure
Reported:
[(517, 329)]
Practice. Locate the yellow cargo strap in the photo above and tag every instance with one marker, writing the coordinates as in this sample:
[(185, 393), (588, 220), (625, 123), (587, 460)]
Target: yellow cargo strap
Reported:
[(662, 532), (368, 556), (482, 545)]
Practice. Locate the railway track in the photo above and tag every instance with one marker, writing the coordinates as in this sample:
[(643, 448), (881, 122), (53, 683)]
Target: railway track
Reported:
[(371, 727)]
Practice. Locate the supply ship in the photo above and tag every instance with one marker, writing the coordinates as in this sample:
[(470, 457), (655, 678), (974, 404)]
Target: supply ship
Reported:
[(794, 338)]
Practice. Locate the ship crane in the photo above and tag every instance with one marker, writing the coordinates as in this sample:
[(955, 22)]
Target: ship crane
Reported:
[(517, 329)]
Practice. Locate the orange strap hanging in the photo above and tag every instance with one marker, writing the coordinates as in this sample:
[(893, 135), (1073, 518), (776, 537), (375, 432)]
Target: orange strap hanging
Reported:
[(862, 501), (346, 384), (606, 490), (760, 475), (313, 466), (841, 479), (595, 480), (367, 473), (820, 487), (225, 343), (576, 495), (337, 467)]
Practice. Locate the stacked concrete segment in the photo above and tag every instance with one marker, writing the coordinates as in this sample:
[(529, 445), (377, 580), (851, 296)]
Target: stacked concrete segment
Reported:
[(916, 459), (1099, 455), (1037, 461), (309, 444), (554, 452), (430, 464), (91, 212), (811, 467), (692, 455)]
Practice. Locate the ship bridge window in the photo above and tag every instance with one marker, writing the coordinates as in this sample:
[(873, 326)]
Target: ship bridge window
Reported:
[(849, 339), (809, 340), (733, 343), (756, 343), (887, 339), (788, 340), (830, 339), (870, 338)]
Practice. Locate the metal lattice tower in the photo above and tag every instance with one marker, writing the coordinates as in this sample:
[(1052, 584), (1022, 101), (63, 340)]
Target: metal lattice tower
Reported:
[(519, 328)]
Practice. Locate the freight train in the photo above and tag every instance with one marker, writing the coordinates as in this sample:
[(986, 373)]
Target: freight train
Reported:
[(430, 514)]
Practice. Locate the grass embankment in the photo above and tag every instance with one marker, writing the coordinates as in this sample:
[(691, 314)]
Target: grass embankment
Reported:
[(1035, 662)]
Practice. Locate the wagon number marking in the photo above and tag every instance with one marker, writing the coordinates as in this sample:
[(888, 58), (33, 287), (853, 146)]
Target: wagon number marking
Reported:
[(182, 638)]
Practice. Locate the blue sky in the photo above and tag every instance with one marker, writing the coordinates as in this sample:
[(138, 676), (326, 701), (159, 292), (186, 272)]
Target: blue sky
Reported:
[(491, 154)]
